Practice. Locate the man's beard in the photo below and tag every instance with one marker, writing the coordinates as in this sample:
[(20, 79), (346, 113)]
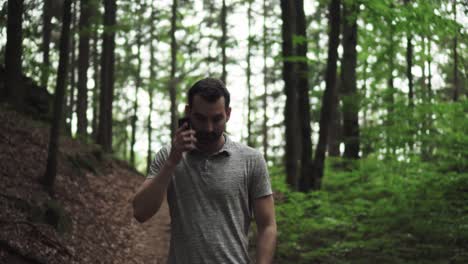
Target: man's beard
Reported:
[(208, 137)]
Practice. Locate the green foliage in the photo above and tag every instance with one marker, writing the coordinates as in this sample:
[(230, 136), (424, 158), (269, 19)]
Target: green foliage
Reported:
[(400, 209), (386, 211)]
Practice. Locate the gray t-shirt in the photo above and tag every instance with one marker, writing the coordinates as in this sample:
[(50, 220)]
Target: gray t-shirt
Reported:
[(211, 201)]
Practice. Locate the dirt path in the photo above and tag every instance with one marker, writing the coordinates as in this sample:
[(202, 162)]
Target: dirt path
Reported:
[(151, 239)]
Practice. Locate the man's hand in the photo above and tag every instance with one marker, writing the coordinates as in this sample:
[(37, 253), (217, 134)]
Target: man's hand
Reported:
[(184, 140)]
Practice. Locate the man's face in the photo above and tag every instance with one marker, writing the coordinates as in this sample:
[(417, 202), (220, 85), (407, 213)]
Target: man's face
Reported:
[(208, 119)]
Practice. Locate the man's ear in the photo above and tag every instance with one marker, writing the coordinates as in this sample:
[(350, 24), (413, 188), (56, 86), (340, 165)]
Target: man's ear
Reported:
[(228, 113), (187, 110)]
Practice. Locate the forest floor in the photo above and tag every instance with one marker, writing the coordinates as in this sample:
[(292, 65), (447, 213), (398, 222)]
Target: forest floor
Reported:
[(89, 219)]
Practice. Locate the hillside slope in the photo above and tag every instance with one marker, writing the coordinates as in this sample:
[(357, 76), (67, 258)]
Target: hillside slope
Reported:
[(88, 221)]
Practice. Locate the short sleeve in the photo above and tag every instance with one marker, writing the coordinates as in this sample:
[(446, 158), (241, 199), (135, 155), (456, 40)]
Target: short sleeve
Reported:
[(260, 179), (158, 162)]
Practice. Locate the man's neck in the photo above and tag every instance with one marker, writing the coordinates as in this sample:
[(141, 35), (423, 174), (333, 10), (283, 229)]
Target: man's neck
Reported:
[(212, 148)]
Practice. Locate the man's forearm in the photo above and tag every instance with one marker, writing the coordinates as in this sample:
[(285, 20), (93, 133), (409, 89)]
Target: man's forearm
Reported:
[(148, 199), (266, 243)]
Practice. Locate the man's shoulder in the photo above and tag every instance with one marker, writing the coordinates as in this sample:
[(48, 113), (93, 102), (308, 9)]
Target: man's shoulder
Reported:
[(163, 151), (244, 150)]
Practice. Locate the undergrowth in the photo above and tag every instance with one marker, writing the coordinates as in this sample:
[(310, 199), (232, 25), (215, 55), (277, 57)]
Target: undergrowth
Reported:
[(385, 210)]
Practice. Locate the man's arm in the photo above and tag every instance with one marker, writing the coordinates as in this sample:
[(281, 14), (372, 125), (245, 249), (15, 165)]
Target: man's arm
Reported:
[(266, 227), (149, 197)]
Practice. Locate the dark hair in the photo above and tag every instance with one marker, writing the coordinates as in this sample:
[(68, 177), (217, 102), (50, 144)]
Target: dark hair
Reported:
[(210, 89)]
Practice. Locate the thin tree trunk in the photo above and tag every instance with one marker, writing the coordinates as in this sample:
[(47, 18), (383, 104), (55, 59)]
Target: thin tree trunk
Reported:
[(107, 76), (248, 73), (96, 88), (223, 40), (70, 109), (173, 81), (152, 78), (350, 96), (293, 152), (46, 33), (135, 102), (51, 169), (303, 98), (429, 71), (409, 74), (390, 93), (424, 125), (456, 88), (335, 130), (265, 83), (409, 63), (327, 100), (83, 64), (366, 146), (13, 53)]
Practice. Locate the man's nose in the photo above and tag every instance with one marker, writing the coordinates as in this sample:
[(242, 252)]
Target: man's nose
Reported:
[(209, 126)]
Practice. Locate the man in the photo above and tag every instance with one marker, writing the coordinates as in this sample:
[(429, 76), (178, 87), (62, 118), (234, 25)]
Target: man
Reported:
[(214, 186)]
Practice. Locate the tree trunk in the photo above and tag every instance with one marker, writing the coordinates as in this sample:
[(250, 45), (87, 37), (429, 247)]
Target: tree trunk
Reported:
[(173, 81), (265, 83), (46, 33), (292, 152), (135, 102), (409, 63), (107, 76), (327, 100), (70, 109), (303, 98), (390, 93), (335, 130), (152, 78), (367, 145), (350, 97), (429, 71), (51, 169), (248, 73), (456, 88), (13, 52), (96, 88), (83, 64), (223, 40)]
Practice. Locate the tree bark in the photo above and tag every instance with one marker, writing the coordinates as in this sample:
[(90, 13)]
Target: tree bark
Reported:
[(265, 83), (107, 76), (83, 64), (173, 81), (248, 73), (223, 40), (409, 63), (96, 88), (292, 151), (51, 169), (456, 88), (327, 100), (303, 98), (46, 34), (13, 52), (135, 102), (335, 130), (152, 78), (390, 93), (350, 97), (70, 109)]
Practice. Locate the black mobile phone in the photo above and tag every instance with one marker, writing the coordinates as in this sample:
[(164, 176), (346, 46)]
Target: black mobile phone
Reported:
[(184, 120)]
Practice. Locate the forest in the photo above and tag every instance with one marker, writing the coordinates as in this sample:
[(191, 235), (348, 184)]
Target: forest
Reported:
[(359, 108)]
